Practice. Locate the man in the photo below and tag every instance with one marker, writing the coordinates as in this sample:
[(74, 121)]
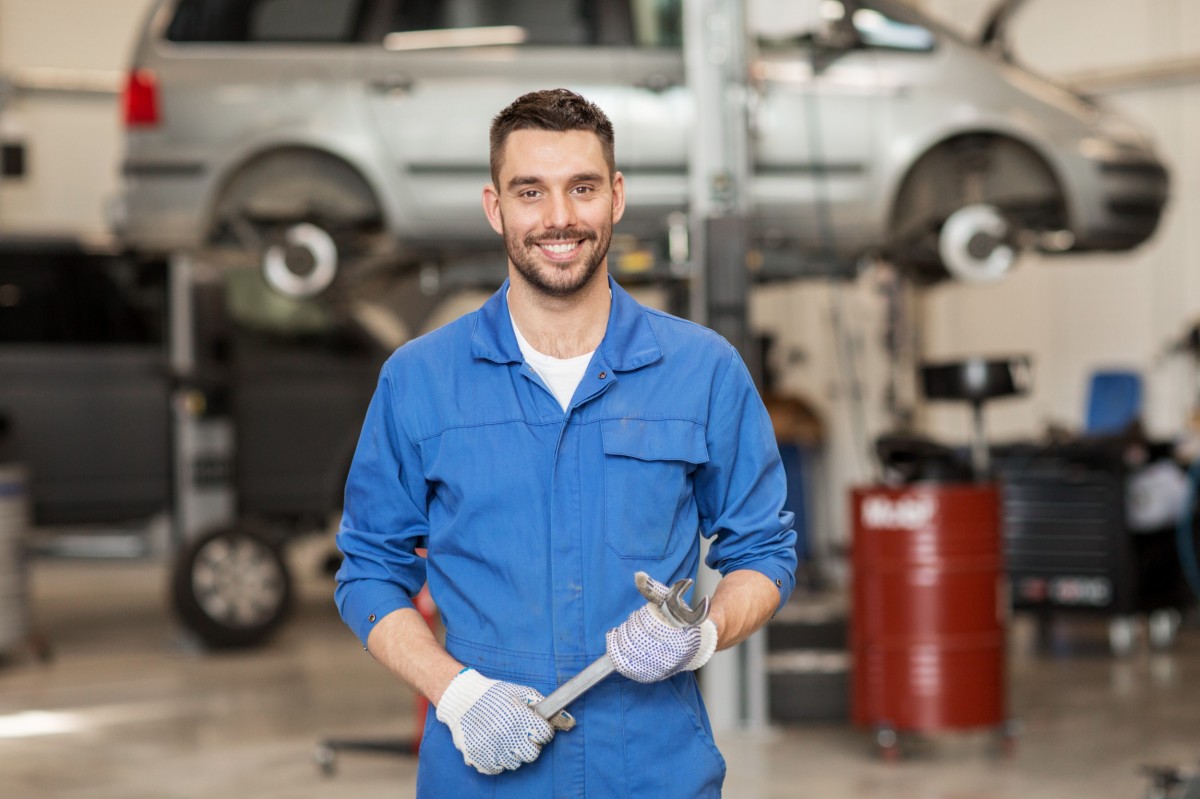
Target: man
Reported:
[(544, 449)]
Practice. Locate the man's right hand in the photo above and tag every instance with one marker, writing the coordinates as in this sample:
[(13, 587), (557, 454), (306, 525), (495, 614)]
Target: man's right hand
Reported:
[(493, 723)]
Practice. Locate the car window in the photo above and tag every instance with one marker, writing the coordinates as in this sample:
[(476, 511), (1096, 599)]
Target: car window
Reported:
[(838, 24), (657, 23), (422, 24), (266, 21), (891, 29)]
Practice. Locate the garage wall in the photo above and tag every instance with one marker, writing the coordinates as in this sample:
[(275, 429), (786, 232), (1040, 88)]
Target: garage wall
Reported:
[(72, 138)]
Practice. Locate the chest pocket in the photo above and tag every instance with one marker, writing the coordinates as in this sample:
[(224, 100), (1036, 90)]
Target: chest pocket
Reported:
[(648, 466)]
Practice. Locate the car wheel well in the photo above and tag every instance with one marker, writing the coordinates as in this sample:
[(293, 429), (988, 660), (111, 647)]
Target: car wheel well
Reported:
[(971, 169), (293, 184)]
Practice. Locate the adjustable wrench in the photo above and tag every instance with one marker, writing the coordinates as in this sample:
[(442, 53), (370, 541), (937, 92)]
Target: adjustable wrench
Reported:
[(673, 607)]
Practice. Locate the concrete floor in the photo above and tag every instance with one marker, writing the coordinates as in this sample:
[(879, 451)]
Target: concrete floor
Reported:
[(127, 709)]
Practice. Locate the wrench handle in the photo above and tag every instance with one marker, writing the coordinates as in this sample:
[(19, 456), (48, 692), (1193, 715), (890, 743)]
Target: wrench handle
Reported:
[(573, 688), (674, 608)]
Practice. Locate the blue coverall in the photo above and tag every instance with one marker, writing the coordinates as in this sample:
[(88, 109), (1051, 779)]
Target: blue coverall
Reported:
[(535, 521)]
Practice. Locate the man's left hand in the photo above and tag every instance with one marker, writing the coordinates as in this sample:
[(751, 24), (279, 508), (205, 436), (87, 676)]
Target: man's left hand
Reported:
[(647, 647)]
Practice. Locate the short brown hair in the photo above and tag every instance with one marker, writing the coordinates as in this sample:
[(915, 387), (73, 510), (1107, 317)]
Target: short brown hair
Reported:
[(558, 110)]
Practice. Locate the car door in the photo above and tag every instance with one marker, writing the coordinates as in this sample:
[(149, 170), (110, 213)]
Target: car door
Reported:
[(447, 67)]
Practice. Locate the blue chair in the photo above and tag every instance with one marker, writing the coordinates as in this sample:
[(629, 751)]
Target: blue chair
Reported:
[(1114, 401)]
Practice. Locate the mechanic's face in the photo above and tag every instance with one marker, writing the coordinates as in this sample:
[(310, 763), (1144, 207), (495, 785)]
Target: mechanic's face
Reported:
[(555, 206)]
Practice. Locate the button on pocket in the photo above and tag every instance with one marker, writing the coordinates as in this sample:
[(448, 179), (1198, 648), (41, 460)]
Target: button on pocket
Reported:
[(648, 466)]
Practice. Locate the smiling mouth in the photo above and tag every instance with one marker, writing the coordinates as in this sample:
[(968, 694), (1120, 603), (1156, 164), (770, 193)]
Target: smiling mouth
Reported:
[(559, 247)]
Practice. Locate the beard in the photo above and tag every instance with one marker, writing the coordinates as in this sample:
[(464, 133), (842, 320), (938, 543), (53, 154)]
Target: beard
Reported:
[(559, 279)]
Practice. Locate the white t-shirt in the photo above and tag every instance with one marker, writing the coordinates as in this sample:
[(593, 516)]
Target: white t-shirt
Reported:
[(561, 375)]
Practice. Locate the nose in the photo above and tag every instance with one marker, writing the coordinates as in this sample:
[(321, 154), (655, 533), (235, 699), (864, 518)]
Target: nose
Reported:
[(560, 211)]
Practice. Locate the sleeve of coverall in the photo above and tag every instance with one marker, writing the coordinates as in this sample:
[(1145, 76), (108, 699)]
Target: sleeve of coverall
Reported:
[(383, 520), (742, 488)]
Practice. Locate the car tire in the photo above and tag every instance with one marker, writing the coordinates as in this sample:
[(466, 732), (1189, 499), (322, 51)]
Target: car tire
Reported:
[(231, 588)]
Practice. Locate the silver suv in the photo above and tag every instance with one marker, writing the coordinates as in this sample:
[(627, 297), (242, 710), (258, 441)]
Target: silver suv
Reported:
[(316, 133)]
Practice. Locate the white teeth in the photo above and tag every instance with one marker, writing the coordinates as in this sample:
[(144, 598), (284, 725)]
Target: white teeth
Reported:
[(560, 248)]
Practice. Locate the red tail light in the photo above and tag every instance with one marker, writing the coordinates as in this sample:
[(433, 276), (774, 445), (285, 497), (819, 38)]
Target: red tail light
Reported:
[(141, 99)]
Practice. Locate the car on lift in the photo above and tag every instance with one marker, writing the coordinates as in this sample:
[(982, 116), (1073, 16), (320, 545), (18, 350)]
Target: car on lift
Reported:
[(92, 402), (316, 135)]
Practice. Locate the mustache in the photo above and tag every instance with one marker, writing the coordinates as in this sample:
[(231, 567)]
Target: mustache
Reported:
[(567, 234)]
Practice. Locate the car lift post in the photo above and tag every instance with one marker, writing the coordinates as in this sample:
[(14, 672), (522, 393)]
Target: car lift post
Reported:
[(202, 443), (734, 682)]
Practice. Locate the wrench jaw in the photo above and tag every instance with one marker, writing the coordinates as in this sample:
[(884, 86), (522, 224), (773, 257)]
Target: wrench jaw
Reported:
[(672, 605), (685, 616)]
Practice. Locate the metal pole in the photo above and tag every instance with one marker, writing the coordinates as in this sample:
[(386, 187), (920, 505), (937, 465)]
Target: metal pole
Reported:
[(734, 682), (203, 441), (181, 341)]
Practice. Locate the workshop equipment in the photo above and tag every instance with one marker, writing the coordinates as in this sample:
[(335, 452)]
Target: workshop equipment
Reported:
[(928, 633), (929, 605), (676, 611), (1069, 547), (1099, 523)]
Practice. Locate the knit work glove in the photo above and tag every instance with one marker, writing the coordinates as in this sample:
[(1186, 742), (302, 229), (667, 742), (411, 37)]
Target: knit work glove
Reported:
[(493, 723), (648, 647)]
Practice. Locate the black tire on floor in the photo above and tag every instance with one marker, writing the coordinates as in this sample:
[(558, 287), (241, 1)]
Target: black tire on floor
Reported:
[(231, 587)]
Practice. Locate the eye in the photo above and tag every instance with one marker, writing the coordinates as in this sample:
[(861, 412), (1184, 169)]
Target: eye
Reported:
[(583, 189)]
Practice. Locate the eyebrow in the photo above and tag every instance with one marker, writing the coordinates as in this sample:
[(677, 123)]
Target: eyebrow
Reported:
[(523, 180), (531, 180)]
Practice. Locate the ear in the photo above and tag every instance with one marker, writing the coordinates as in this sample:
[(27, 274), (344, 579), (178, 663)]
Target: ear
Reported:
[(618, 197), (491, 208)]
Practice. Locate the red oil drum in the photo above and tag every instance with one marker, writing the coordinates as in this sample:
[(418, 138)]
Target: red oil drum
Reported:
[(927, 624)]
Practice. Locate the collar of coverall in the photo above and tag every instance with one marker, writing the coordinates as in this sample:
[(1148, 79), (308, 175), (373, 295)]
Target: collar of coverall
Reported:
[(629, 341)]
